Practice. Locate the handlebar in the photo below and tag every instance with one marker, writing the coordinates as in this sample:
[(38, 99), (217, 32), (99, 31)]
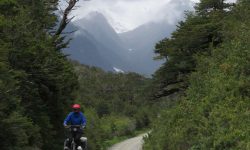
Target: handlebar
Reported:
[(77, 126), (73, 125)]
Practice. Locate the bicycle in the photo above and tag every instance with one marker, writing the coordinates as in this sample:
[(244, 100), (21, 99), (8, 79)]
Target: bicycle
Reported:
[(76, 131)]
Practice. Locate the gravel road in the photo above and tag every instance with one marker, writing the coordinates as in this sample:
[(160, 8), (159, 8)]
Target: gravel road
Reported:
[(130, 144)]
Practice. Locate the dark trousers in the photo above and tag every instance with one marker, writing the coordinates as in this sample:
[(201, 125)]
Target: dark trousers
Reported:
[(76, 135)]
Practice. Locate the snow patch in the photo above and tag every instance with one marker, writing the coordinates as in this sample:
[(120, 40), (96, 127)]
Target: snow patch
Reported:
[(118, 70), (119, 28)]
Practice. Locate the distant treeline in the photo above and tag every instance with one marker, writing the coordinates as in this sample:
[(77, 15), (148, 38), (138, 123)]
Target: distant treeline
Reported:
[(115, 104)]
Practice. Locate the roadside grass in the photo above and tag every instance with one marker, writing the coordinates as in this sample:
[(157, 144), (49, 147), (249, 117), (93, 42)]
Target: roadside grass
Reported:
[(118, 139), (114, 140)]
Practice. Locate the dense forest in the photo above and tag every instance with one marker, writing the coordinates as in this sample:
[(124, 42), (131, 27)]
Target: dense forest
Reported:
[(38, 84), (207, 69), (198, 99), (36, 80)]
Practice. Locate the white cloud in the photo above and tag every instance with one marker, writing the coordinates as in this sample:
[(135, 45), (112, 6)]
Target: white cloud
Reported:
[(126, 15)]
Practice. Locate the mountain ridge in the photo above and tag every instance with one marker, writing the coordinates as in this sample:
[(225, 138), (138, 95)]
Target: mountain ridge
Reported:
[(96, 43)]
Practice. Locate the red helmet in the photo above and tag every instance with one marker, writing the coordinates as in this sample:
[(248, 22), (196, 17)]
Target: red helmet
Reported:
[(76, 106)]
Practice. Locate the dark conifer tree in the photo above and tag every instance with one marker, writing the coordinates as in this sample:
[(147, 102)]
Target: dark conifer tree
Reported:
[(201, 31)]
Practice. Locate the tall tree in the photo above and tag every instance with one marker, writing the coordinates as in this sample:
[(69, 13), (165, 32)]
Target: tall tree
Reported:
[(43, 78), (201, 31)]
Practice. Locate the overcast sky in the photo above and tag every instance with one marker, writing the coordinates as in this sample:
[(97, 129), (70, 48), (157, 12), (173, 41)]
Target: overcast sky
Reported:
[(126, 15)]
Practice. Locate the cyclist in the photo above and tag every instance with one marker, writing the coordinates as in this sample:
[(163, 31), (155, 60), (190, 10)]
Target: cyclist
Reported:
[(75, 117)]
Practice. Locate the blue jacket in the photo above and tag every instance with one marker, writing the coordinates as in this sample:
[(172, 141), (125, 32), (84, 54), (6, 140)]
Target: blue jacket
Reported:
[(75, 119)]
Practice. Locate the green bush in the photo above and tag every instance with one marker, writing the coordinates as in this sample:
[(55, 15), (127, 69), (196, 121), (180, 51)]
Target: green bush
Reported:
[(114, 125), (214, 113)]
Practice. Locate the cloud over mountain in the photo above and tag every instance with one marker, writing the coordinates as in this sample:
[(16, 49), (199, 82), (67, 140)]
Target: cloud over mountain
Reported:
[(126, 15)]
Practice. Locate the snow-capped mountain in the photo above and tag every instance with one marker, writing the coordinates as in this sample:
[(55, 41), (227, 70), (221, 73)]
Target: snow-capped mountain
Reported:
[(118, 27), (96, 43)]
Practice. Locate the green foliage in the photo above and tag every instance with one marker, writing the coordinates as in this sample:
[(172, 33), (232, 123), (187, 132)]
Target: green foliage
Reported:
[(93, 130), (214, 114), (111, 93), (206, 7), (203, 87), (198, 34), (36, 80), (17, 132), (38, 84), (114, 125), (115, 104)]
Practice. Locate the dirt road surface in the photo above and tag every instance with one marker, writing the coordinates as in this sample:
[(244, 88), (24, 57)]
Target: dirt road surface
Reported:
[(130, 144)]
